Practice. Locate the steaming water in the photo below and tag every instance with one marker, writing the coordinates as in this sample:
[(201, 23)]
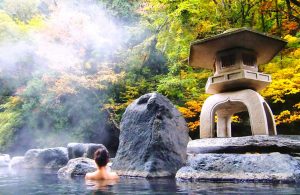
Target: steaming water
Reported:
[(41, 182)]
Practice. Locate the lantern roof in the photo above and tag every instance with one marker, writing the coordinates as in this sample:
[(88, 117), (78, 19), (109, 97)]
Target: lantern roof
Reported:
[(203, 52)]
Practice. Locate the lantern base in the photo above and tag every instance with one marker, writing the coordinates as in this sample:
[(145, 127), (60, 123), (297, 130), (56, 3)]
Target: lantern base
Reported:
[(224, 105)]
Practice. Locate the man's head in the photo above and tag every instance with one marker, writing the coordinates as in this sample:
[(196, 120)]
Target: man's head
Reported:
[(101, 157)]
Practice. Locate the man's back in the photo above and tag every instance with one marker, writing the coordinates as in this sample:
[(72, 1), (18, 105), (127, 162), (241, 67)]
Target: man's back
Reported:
[(101, 174)]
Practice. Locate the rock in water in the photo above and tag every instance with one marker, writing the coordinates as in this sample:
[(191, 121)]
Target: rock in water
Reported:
[(153, 138), (274, 167), (77, 167), (76, 150), (51, 158), (4, 160), (17, 162)]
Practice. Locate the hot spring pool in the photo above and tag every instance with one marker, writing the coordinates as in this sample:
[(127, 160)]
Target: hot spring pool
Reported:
[(47, 182)]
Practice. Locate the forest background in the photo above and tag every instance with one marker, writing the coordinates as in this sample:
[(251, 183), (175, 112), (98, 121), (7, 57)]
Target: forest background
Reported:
[(69, 69)]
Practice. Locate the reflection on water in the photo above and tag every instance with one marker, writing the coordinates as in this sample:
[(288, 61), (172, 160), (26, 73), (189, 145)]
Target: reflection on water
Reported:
[(239, 188), (102, 185), (47, 182)]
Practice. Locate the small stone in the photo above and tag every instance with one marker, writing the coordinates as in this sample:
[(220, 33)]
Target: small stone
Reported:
[(77, 167), (49, 158), (17, 162), (4, 160), (76, 150)]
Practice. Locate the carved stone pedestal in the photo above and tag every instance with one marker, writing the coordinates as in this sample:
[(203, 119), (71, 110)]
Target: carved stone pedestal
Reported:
[(224, 105)]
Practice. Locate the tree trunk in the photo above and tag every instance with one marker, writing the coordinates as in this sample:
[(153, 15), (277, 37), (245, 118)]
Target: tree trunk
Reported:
[(296, 2), (289, 9), (262, 17), (243, 13), (277, 18)]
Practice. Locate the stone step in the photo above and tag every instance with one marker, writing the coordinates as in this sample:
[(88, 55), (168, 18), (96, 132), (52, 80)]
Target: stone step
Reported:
[(274, 167), (249, 144)]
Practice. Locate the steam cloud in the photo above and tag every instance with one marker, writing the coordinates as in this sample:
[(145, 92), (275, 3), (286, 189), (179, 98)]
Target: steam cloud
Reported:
[(71, 27), (72, 32)]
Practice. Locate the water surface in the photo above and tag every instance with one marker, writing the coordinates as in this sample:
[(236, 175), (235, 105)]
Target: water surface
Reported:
[(46, 182)]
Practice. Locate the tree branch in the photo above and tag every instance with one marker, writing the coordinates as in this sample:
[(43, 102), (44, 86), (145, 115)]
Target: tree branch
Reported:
[(296, 2)]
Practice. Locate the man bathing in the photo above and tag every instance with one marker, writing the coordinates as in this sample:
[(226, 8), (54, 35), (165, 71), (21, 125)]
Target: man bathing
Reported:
[(101, 157)]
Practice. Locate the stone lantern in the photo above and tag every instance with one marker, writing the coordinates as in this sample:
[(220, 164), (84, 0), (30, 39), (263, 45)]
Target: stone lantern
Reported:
[(234, 57)]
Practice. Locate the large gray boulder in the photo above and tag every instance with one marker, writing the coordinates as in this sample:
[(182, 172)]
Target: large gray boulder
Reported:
[(49, 158), (274, 167), (153, 138), (77, 167), (76, 150), (259, 143)]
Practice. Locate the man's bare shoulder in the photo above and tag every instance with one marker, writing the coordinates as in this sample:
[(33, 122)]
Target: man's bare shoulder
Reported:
[(114, 175), (90, 176), (103, 176)]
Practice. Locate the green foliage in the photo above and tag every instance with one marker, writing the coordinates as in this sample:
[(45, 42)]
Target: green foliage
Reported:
[(183, 86), (10, 121), (123, 10), (284, 91), (56, 107), (53, 107), (8, 27), (177, 23), (21, 10)]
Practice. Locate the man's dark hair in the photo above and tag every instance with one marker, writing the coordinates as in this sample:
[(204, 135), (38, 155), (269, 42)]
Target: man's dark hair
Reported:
[(101, 157)]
